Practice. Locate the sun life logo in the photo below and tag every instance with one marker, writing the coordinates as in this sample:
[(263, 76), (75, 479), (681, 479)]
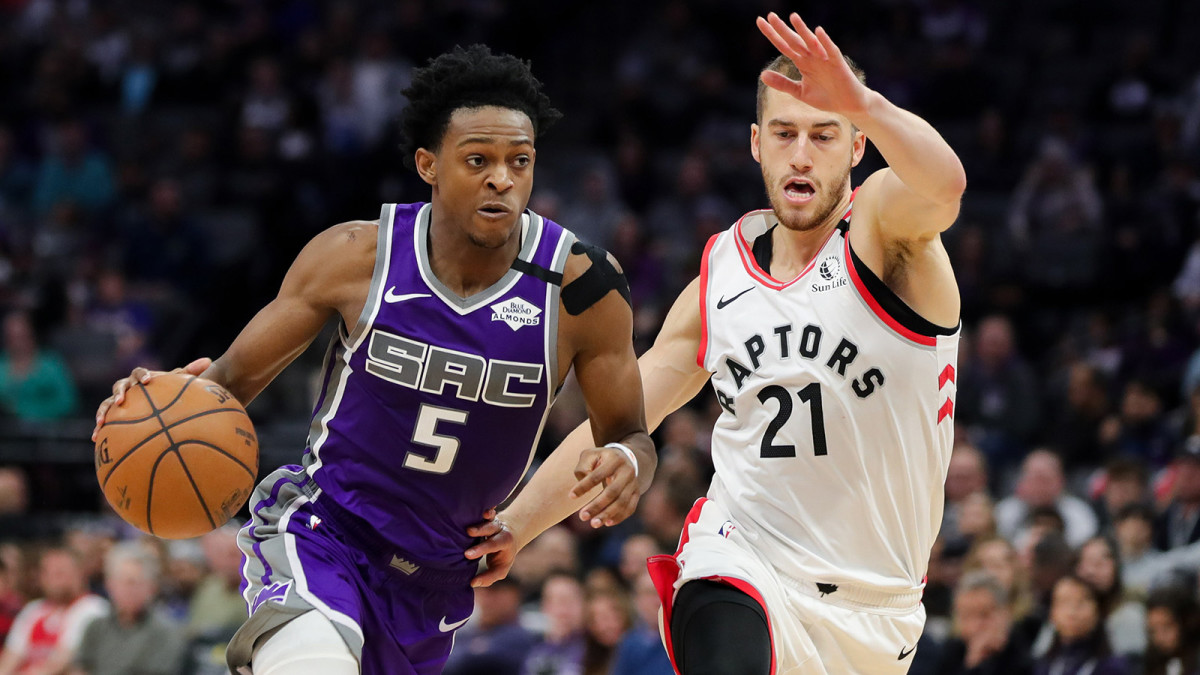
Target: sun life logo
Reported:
[(829, 268)]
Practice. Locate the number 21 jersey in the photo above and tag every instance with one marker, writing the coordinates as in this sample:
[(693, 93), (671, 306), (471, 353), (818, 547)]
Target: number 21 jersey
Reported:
[(837, 411)]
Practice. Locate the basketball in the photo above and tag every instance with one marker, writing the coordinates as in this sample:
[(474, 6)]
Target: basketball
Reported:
[(178, 457)]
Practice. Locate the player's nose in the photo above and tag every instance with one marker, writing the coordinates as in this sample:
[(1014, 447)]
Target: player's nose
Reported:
[(500, 179), (801, 157)]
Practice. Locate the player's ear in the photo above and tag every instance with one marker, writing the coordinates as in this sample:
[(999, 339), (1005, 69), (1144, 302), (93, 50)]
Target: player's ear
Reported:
[(859, 147), (754, 142), (426, 166)]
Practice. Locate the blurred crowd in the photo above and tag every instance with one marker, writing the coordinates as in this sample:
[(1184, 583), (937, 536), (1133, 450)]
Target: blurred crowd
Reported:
[(162, 163)]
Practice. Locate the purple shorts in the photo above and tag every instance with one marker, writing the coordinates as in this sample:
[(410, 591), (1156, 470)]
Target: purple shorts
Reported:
[(304, 553)]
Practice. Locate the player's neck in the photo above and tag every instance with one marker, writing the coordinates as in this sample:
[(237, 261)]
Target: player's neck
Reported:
[(463, 266), (793, 250)]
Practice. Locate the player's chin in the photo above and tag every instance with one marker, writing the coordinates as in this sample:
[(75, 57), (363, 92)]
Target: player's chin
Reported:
[(492, 230)]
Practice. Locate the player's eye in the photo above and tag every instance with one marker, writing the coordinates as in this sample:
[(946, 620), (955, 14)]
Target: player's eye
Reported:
[(824, 137), (522, 160), (475, 161), (783, 134)]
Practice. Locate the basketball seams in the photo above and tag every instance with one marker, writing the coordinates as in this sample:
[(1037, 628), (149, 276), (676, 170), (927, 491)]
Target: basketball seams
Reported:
[(183, 444), (195, 488), (147, 439)]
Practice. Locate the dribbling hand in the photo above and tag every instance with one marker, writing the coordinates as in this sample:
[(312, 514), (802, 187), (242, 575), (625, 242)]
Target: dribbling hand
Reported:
[(141, 376)]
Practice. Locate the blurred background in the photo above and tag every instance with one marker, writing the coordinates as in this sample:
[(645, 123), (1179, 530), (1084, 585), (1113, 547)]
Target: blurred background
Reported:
[(161, 164)]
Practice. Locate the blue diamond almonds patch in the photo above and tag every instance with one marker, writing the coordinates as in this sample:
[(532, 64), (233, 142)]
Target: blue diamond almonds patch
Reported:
[(516, 313)]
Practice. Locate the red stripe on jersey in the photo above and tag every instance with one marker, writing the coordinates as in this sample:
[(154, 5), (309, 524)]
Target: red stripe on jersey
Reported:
[(704, 301), (746, 252), (946, 376), (947, 410), (664, 572), (927, 340)]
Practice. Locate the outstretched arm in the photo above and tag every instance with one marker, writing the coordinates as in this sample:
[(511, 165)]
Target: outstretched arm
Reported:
[(925, 180), (670, 377)]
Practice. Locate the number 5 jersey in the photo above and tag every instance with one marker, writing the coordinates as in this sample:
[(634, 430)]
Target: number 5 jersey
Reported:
[(432, 405)]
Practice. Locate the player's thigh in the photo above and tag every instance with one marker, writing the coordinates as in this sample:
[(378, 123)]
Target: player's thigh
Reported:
[(859, 641), (308, 645)]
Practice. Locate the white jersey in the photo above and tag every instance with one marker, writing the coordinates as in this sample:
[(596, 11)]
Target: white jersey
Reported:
[(837, 423)]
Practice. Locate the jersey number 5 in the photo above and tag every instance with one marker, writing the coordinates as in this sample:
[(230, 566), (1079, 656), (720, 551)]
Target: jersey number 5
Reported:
[(811, 395), (425, 433)]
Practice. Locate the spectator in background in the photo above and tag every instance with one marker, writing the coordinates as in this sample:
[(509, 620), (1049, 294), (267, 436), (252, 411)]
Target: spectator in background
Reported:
[(1050, 559), (561, 650), (1080, 644), (10, 598), (1125, 481), (493, 642), (1179, 523), (74, 173), (985, 643), (35, 384), (1123, 618), (1042, 484), (46, 634), (1134, 528), (997, 556), (165, 253), (1173, 633), (1139, 430), (1073, 429), (640, 651), (966, 475), (608, 616), (555, 550), (186, 568), (217, 608), (1055, 220), (994, 395), (132, 638), (595, 207)]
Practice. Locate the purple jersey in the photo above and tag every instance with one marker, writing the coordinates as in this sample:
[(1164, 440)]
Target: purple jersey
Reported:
[(433, 404)]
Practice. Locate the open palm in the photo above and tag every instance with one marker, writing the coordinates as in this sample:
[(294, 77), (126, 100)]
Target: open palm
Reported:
[(828, 83)]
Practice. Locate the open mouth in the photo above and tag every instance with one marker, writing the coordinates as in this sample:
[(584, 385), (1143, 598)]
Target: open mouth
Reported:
[(798, 190), (494, 210)]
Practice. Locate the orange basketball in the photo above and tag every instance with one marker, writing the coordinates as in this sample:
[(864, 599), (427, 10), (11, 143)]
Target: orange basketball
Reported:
[(178, 457)]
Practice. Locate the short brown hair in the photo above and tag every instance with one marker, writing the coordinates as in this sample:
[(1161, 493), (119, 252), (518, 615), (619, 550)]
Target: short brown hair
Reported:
[(784, 65)]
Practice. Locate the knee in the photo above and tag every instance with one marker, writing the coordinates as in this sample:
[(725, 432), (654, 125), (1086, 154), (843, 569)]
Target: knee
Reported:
[(306, 645), (718, 630)]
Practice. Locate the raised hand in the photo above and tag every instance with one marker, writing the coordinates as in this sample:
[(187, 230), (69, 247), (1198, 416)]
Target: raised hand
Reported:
[(828, 83)]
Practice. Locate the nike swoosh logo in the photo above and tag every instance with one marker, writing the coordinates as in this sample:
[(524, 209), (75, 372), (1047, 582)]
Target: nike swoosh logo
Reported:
[(905, 653), (391, 296), (447, 627), (722, 302)]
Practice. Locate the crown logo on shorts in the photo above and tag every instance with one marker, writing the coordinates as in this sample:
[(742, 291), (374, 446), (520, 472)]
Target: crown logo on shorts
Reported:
[(403, 565)]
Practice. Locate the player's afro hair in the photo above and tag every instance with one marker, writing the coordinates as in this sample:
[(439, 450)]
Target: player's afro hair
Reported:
[(473, 77)]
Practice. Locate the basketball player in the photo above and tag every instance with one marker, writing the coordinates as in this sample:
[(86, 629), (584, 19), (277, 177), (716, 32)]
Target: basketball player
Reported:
[(831, 343), (459, 319)]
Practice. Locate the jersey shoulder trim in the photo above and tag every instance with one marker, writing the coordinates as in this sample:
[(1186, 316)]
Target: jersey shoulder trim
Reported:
[(745, 248), (704, 264), (886, 305)]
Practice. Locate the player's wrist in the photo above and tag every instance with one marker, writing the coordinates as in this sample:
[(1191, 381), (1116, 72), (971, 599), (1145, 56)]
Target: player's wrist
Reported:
[(629, 455)]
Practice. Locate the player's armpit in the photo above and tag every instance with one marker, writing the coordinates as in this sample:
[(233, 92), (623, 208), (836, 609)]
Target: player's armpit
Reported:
[(330, 276)]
